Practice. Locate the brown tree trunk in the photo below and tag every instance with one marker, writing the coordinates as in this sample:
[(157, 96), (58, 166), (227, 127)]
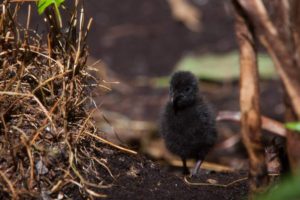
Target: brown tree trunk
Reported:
[(249, 102), (284, 52), (285, 63)]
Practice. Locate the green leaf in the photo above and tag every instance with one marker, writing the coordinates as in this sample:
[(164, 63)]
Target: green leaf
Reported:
[(295, 126), (218, 67), (223, 66), (287, 189), (43, 4)]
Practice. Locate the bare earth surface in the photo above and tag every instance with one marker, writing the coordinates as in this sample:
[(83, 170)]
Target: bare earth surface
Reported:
[(140, 178)]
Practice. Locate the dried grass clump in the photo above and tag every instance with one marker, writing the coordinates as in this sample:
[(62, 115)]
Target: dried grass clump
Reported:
[(48, 143)]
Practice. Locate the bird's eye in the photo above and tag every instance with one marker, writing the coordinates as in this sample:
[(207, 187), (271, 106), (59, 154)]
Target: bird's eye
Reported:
[(188, 89)]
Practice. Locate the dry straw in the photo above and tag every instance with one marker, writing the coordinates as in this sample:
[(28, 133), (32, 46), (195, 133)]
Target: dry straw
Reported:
[(48, 141)]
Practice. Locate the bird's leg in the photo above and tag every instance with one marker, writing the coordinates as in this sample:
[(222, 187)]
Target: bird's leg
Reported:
[(196, 168), (185, 169)]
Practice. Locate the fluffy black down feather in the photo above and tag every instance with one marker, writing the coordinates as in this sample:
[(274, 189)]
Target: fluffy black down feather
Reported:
[(188, 123)]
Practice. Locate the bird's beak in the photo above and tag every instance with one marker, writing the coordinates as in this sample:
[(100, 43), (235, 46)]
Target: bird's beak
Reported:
[(175, 98), (171, 94), (172, 99)]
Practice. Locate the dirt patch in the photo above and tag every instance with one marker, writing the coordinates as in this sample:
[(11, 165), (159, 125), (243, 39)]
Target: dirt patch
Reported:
[(141, 178)]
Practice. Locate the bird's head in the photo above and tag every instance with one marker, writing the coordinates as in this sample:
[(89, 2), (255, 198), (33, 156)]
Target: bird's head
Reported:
[(183, 89)]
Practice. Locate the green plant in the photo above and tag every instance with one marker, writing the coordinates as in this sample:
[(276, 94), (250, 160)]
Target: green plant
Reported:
[(294, 126), (43, 4), (287, 189)]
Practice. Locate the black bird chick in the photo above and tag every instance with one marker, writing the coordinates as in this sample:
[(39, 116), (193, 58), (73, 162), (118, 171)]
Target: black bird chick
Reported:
[(187, 124)]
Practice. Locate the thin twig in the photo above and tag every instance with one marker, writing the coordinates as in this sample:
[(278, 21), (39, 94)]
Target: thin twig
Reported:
[(214, 184), (105, 166), (24, 140), (112, 144), (10, 185), (219, 185), (268, 124)]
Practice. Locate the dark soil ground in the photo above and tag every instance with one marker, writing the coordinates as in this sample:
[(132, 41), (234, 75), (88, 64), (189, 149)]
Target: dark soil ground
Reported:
[(140, 178)]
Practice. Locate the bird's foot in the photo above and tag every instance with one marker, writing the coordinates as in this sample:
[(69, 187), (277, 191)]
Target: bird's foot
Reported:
[(185, 171), (196, 168), (194, 174)]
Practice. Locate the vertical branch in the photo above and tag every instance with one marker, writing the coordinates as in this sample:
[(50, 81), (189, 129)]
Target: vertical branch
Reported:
[(282, 56), (292, 137), (295, 29), (281, 20), (249, 101), (54, 28), (286, 61)]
